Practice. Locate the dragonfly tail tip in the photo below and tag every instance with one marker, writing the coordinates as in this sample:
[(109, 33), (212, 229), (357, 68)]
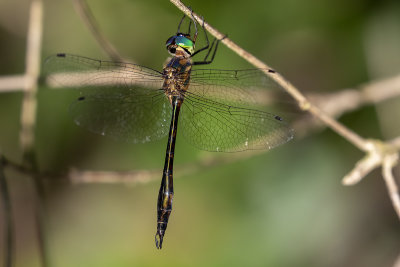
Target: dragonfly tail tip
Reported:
[(159, 240)]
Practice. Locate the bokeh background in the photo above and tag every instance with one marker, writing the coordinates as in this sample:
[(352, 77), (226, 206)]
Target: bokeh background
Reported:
[(285, 207)]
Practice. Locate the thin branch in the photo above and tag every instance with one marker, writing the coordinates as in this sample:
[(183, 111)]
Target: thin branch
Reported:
[(86, 15), (146, 176), (8, 222), (347, 100), (12, 83), (372, 160), (388, 88), (132, 177), (28, 115), (397, 262), (395, 142), (29, 102), (387, 172)]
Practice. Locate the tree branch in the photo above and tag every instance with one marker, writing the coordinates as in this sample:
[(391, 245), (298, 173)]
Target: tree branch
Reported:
[(387, 172), (29, 102)]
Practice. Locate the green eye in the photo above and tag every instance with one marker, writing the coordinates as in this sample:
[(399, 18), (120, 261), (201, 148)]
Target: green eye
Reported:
[(170, 41), (181, 41), (186, 43)]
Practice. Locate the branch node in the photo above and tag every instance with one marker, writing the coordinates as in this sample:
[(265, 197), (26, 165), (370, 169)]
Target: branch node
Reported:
[(304, 105)]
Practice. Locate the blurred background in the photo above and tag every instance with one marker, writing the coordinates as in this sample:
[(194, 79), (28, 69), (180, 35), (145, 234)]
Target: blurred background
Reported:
[(285, 207)]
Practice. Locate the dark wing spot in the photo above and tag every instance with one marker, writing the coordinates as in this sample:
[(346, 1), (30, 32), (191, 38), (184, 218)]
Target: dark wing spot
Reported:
[(81, 98), (60, 55), (278, 118), (271, 71)]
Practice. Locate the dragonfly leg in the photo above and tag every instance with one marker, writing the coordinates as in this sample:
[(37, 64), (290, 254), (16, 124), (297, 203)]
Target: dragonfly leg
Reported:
[(205, 61), (180, 23), (194, 39)]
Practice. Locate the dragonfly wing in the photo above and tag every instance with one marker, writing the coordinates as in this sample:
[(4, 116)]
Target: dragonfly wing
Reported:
[(215, 126), (247, 79), (120, 100), (221, 114), (128, 116), (65, 70)]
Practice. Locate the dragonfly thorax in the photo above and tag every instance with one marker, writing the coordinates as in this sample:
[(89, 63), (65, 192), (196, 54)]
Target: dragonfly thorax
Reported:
[(177, 76)]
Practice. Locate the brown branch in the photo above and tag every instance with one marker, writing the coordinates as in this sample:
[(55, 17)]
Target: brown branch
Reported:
[(29, 102), (131, 177), (12, 83), (395, 143), (371, 161), (397, 262), (387, 172), (28, 115), (145, 176), (347, 100)]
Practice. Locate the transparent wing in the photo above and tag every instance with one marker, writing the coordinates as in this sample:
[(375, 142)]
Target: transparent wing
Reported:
[(121, 100), (220, 112), (246, 86), (215, 126)]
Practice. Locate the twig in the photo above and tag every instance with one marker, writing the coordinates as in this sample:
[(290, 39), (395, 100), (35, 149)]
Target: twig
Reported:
[(372, 160), (395, 142), (29, 102), (397, 262), (13, 83), (145, 176), (87, 16), (131, 177), (28, 115), (8, 222), (347, 100), (387, 172)]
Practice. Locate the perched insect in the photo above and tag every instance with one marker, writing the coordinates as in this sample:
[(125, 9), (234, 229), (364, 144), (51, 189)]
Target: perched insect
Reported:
[(135, 103)]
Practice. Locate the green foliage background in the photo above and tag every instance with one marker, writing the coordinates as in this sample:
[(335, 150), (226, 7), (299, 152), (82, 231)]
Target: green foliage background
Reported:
[(282, 208)]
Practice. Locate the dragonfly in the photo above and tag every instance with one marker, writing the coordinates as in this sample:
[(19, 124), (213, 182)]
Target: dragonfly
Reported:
[(139, 104)]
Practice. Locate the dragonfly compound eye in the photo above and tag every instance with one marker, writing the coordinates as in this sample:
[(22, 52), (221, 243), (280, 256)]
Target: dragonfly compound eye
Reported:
[(185, 43), (170, 41)]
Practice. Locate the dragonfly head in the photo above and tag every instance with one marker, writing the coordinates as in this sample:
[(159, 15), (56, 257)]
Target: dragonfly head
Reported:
[(180, 43)]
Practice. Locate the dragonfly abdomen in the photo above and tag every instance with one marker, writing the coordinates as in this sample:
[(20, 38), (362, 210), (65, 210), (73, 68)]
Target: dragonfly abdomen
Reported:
[(166, 193)]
